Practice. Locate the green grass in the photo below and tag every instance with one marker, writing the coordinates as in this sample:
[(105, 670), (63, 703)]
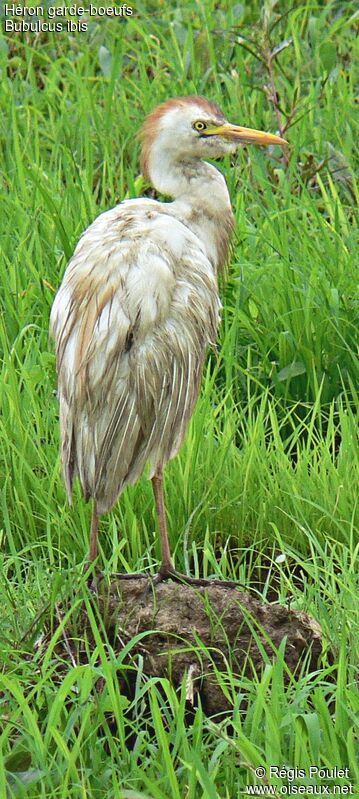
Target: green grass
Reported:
[(266, 485)]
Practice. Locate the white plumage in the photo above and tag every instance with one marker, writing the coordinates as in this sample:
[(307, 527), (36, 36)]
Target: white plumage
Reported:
[(128, 376), (138, 308)]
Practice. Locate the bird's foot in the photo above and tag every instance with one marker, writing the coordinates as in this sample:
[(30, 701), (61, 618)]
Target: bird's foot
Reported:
[(129, 575), (170, 573), (166, 572), (94, 580)]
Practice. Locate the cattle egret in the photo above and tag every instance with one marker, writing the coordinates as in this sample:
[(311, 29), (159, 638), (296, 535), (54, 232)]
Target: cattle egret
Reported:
[(138, 308)]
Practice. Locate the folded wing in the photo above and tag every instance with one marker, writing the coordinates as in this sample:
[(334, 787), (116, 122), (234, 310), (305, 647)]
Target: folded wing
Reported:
[(136, 311)]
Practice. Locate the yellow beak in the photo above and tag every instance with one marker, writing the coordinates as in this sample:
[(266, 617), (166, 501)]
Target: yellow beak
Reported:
[(244, 135)]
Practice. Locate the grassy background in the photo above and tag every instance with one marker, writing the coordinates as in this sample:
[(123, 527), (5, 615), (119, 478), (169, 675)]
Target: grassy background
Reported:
[(266, 486)]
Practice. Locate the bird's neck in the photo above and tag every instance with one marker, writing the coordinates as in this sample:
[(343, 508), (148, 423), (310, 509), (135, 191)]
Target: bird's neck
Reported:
[(201, 201)]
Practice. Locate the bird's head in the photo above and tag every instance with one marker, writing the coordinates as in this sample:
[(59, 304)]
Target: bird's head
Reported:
[(186, 128)]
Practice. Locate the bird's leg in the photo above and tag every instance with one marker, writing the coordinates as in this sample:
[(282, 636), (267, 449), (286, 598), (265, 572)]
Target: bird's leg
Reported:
[(166, 567), (93, 551), (93, 534), (93, 548)]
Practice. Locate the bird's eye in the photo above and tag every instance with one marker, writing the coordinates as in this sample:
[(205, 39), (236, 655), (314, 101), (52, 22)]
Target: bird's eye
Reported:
[(199, 125)]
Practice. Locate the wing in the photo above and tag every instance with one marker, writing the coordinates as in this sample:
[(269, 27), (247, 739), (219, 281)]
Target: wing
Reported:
[(133, 318)]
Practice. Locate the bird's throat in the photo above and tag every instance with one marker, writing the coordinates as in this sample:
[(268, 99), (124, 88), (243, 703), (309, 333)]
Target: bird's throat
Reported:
[(201, 201)]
